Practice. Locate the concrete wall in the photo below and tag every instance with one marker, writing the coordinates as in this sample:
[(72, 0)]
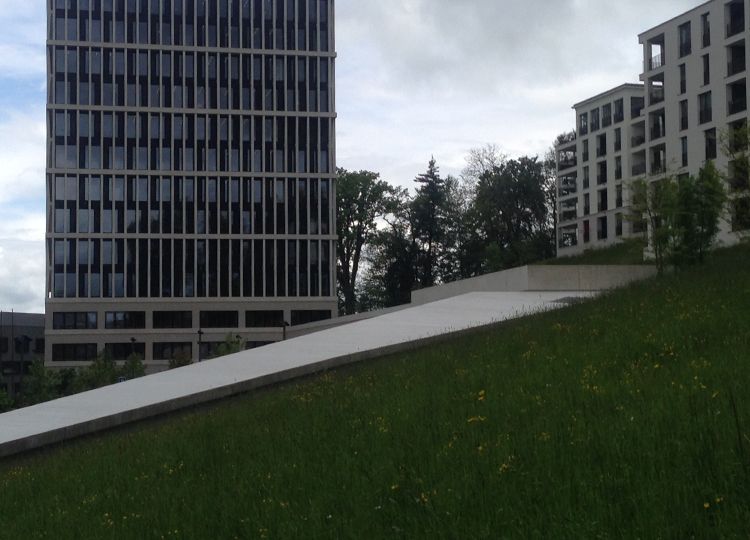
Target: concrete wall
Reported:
[(540, 278)]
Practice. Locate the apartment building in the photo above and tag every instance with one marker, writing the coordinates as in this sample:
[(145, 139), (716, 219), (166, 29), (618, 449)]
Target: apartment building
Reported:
[(190, 175), (695, 72), (593, 165), (693, 101)]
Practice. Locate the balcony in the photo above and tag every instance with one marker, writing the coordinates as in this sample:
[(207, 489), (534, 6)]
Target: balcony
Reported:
[(656, 95), (569, 215), (568, 163), (657, 132), (736, 25), (656, 62), (636, 106), (737, 105), (567, 189), (736, 65), (658, 168), (739, 176)]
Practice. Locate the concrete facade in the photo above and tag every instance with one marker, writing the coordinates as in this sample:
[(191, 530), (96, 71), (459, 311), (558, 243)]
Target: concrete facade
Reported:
[(694, 96), (190, 175)]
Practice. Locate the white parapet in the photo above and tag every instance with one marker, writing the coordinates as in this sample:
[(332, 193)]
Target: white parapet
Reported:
[(540, 278)]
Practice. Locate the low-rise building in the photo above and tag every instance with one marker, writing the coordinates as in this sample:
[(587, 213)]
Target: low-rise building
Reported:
[(21, 342)]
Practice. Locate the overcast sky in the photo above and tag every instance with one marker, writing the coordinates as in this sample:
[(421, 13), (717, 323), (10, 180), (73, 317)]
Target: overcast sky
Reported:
[(415, 78)]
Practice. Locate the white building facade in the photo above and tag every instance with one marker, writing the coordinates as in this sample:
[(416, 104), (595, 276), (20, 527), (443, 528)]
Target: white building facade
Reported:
[(592, 169), (694, 98)]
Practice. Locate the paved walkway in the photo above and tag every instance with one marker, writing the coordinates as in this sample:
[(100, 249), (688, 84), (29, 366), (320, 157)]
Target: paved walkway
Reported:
[(116, 405)]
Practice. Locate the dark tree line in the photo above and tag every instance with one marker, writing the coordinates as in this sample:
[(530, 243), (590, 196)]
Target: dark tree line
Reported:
[(499, 214)]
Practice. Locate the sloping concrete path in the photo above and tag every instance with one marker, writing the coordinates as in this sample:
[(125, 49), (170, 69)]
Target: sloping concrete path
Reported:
[(116, 405)]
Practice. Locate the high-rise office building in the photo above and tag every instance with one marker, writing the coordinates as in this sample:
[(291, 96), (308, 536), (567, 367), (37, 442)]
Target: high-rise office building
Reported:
[(190, 174)]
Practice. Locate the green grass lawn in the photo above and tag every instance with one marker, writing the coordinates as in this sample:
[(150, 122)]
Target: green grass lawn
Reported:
[(626, 252), (627, 417)]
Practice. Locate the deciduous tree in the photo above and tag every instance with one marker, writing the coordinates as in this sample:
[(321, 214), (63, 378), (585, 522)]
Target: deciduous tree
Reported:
[(362, 199)]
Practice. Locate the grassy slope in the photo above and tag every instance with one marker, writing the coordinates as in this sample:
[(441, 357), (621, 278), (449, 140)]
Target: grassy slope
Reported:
[(611, 419)]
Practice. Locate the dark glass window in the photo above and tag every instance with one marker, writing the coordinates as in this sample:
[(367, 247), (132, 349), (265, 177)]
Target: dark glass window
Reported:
[(73, 352), (74, 320), (264, 319), (171, 351), (309, 316), (173, 319), (121, 351), (122, 320), (219, 319)]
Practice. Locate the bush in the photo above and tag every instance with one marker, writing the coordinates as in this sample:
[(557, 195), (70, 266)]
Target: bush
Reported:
[(40, 385), (6, 403), (180, 360), (681, 216), (133, 367)]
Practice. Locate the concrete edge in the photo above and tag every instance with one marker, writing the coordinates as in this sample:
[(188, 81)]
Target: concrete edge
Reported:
[(133, 416)]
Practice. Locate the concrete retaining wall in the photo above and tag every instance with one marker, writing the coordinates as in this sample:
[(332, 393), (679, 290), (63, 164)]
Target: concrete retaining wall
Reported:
[(540, 278)]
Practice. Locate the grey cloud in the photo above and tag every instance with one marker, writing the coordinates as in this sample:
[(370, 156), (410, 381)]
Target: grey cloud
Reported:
[(495, 43)]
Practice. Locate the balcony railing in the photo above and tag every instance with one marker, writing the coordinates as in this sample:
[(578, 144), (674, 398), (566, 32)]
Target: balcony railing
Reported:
[(656, 95), (637, 140), (639, 169), (738, 104), (656, 62), (601, 151), (736, 66), (567, 189), (569, 215), (735, 26), (705, 115), (657, 132), (706, 37), (657, 168), (567, 164)]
